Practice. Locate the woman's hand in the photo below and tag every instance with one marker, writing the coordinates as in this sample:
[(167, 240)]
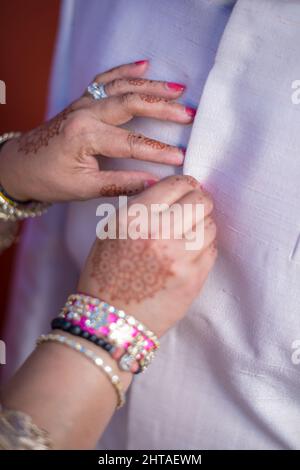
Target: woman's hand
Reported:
[(155, 280), (58, 161)]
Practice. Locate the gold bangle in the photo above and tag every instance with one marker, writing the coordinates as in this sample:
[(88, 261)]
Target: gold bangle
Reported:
[(97, 360)]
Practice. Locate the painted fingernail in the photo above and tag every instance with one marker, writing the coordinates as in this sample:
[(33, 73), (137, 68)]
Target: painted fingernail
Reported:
[(175, 86), (149, 183), (190, 111), (183, 149), (141, 62)]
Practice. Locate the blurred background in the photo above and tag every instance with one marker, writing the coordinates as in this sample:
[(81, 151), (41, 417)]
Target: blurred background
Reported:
[(27, 37)]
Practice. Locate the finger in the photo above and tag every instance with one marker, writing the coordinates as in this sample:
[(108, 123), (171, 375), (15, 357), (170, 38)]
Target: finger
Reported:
[(185, 218), (120, 143), (117, 110), (120, 86), (134, 70), (195, 206), (205, 262), (201, 236), (115, 183), (170, 190)]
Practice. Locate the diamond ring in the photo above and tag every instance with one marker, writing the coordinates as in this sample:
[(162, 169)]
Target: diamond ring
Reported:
[(97, 91)]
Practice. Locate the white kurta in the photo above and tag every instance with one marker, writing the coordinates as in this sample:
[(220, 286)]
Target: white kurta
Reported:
[(224, 378)]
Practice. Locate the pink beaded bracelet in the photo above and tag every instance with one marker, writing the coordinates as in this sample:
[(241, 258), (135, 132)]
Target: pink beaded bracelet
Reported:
[(104, 320)]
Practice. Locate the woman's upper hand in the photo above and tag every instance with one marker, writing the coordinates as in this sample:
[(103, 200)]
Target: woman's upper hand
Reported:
[(156, 279), (58, 161)]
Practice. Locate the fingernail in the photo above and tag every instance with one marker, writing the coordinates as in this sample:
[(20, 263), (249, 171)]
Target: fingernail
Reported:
[(183, 149), (175, 86), (149, 183), (190, 111), (179, 159), (141, 62)]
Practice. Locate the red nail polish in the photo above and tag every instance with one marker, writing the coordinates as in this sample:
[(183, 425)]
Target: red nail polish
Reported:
[(190, 111), (140, 62), (183, 149), (149, 183), (176, 86)]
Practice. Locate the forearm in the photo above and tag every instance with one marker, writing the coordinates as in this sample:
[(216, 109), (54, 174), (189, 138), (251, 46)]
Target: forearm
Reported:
[(65, 394)]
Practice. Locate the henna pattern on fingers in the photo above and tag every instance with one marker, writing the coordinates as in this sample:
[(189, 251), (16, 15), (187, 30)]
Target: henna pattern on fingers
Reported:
[(129, 270), (32, 141), (153, 99), (156, 144), (142, 81), (136, 81), (141, 139), (188, 179), (112, 190)]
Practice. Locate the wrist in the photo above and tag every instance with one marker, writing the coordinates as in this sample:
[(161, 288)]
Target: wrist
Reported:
[(10, 178), (142, 312), (126, 377)]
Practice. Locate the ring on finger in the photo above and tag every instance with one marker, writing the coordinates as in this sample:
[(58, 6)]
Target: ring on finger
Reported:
[(97, 91)]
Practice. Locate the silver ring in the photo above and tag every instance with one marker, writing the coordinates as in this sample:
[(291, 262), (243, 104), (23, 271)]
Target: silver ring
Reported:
[(97, 91)]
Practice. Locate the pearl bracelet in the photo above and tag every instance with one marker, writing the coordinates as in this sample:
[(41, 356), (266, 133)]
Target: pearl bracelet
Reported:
[(97, 360)]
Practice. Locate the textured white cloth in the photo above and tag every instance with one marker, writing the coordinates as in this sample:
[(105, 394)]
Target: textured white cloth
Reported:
[(224, 378)]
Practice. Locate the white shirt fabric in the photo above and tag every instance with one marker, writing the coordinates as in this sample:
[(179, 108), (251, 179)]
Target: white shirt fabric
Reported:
[(224, 377)]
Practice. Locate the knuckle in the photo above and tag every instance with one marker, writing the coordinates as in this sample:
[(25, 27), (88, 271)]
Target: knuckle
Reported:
[(209, 203), (133, 141), (175, 179), (188, 181), (72, 127), (75, 124), (211, 224), (97, 77), (191, 181), (116, 85), (128, 99)]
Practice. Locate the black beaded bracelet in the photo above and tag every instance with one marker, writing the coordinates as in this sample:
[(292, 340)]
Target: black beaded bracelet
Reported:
[(62, 324)]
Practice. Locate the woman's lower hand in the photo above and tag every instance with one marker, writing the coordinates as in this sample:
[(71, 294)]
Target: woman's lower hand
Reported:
[(59, 161), (156, 280)]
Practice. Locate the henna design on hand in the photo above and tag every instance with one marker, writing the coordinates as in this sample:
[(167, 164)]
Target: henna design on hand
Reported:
[(129, 270), (112, 190), (189, 179), (33, 140), (141, 81), (153, 99), (136, 81), (141, 139)]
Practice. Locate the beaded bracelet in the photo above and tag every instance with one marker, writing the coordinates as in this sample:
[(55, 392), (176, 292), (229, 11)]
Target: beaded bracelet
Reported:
[(13, 211), (102, 319), (67, 325), (97, 360)]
